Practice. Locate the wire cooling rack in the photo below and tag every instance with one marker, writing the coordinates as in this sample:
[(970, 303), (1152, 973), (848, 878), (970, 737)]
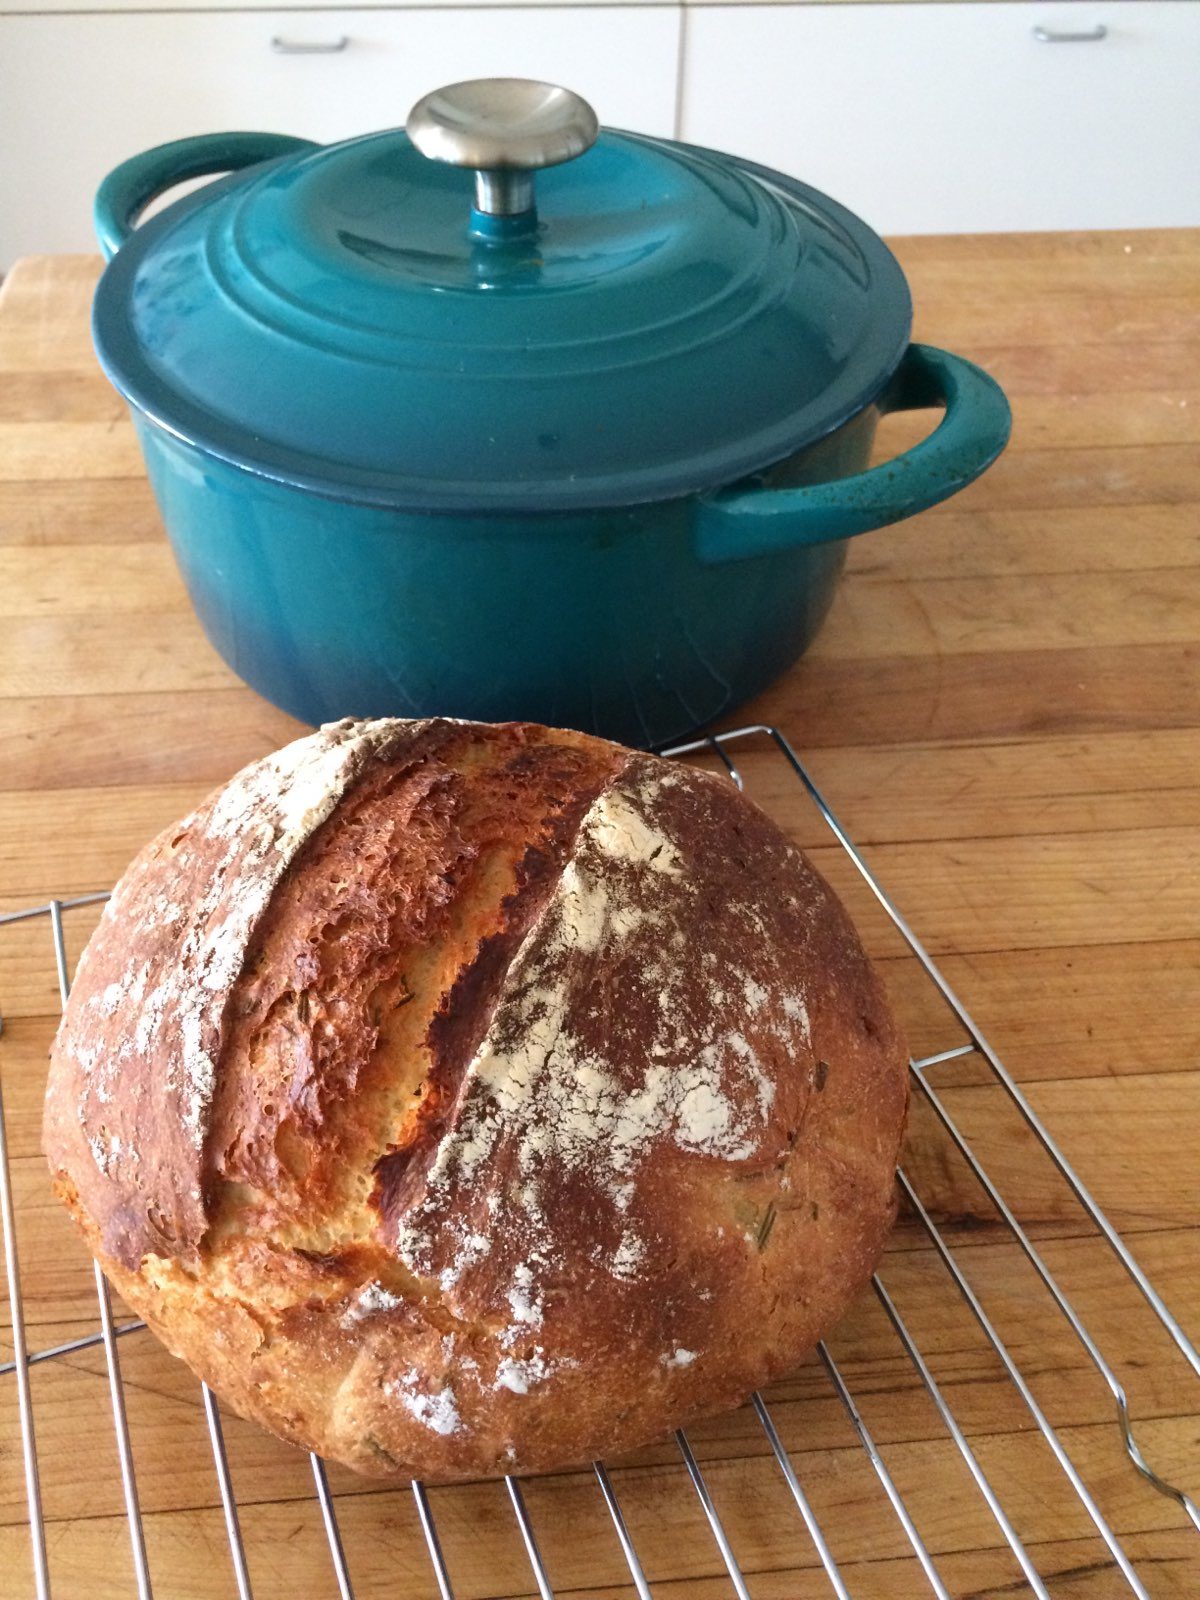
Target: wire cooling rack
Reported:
[(629, 1570)]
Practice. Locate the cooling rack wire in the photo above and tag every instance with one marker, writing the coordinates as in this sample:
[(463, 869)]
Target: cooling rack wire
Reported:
[(766, 750)]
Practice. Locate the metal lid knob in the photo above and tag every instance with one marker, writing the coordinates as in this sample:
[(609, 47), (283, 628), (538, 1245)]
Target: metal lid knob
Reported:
[(506, 128)]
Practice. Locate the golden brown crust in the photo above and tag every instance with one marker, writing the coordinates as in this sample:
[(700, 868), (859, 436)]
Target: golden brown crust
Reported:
[(554, 1103)]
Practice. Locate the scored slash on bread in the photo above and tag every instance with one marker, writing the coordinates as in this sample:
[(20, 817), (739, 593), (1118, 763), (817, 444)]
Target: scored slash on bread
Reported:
[(460, 1099)]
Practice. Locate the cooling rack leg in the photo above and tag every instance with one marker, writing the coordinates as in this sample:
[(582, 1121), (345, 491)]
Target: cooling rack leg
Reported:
[(1018, 1378), (884, 1476), (627, 1550), (432, 1542), (332, 1532), (714, 1521), (531, 1545), (801, 1499), (724, 758), (960, 1439), (33, 1487), (237, 1552), (1092, 1349), (116, 1388)]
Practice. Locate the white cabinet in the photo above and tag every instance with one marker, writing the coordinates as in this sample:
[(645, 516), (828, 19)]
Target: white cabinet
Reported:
[(959, 117), (923, 117), (79, 93)]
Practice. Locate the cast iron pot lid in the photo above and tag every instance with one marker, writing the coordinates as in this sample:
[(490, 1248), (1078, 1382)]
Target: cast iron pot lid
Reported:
[(383, 326)]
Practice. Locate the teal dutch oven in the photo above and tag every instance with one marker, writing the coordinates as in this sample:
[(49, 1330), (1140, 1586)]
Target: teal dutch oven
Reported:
[(425, 442)]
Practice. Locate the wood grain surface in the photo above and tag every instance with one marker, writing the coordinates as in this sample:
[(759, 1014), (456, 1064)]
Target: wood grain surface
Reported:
[(1004, 710)]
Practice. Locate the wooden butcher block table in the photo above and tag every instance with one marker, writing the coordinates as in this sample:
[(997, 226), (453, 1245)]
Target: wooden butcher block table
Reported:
[(1004, 712)]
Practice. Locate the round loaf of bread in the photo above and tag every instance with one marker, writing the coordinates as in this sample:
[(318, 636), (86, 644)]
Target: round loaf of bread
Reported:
[(459, 1099)]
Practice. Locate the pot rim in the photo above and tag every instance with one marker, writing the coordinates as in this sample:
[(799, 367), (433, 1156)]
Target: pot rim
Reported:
[(322, 489)]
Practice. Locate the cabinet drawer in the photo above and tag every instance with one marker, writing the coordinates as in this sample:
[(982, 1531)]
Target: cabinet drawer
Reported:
[(79, 93), (958, 117)]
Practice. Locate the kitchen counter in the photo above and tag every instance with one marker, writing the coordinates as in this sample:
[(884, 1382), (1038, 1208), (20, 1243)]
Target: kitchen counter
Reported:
[(1004, 709)]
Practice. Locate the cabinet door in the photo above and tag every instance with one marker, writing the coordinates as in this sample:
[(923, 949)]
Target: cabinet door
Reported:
[(945, 118), (80, 93)]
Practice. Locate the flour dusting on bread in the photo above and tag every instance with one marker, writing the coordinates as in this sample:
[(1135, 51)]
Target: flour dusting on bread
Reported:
[(542, 1097), (144, 1031), (265, 814), (433, 1409), (370, 1300)]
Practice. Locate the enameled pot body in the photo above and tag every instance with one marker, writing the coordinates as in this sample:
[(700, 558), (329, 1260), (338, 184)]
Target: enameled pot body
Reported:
[(607, 621), (596, 468)]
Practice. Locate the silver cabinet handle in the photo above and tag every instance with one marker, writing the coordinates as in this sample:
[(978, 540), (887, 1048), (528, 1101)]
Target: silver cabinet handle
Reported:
[(303, 47), (1064, 36)]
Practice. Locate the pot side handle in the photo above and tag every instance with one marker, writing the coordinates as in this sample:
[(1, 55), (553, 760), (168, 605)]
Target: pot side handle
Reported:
[(735, 523), (129, 188)]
